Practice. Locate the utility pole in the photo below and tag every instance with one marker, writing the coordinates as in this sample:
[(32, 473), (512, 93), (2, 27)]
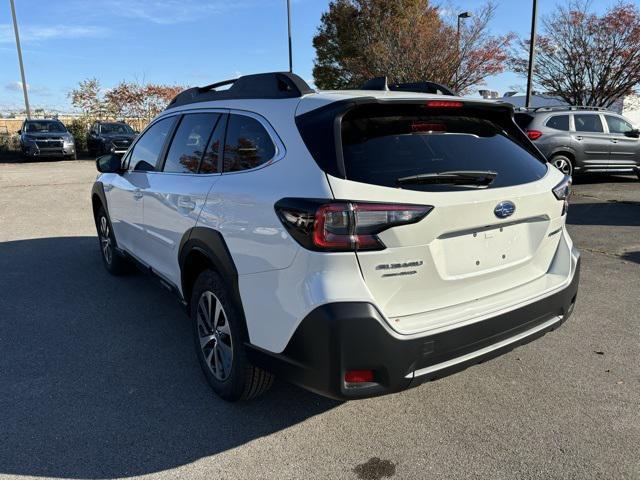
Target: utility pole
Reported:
[(24, 82), (289, 30), (532, 52), (460, 17)]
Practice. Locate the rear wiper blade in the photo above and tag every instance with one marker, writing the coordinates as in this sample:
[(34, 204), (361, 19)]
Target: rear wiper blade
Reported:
[(480, 178)]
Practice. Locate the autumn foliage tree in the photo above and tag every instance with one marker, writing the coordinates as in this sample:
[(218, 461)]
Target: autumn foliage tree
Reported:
[(406, 40), (585, 58)]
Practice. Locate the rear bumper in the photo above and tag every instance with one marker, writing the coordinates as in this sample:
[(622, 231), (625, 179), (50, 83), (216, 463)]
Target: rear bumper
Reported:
[(338, 337)]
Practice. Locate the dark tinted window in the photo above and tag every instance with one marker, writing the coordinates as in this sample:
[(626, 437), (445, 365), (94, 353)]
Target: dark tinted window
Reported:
[(45, 126), (617, 124), (384, 143), (147, 150), (189, 142), (248, 144), (116, 129), (588, 123), (559, 122), (210, 161), (523, 120)]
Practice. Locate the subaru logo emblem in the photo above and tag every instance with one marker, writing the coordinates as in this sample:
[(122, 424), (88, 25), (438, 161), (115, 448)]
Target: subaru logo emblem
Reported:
[(504, 209)]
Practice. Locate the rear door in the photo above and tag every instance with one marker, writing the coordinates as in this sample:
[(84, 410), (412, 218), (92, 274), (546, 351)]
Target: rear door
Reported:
[(126, 192), (178, 189), (481, 240), (625, 151), (591, 143)]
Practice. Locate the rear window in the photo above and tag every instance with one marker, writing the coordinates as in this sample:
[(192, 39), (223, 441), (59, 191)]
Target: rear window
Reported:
[(559, 122), (384, 143)]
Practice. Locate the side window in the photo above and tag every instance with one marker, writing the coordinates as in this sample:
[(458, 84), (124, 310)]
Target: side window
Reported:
[(148, 148), (248, 144), (559, 122), (618, 125), (189, 142), (588, 123), (210, 161)]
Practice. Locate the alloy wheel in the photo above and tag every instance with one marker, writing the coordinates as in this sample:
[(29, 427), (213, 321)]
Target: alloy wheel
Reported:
[(214, 335), (563, 165), (105, 240)]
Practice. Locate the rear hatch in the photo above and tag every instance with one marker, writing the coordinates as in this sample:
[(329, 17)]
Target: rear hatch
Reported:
[(495, 227)]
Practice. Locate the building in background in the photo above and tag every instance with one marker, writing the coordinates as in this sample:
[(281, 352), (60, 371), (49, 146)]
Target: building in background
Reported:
[(628, 106)]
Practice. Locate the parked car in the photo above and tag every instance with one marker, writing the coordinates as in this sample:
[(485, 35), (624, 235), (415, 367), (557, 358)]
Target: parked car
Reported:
[(353, 242), (46, 138), (583, 139), (109, 137)]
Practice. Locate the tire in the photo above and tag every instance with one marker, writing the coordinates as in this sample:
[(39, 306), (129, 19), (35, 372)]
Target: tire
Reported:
[(563, 163), (220, 342), (115, 263)]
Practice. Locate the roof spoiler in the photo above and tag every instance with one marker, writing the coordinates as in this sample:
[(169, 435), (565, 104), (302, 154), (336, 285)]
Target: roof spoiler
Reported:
[(275, 85), (381, 83)]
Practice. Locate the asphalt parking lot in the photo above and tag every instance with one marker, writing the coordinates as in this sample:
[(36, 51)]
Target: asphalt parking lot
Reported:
[(98, 378)]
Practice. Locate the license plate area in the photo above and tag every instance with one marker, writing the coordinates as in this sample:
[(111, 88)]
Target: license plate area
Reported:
[(486, 249)]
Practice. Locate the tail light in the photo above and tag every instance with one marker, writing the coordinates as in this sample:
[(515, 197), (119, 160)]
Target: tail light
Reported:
[(534, 134), (344, 226), (562, 192), (358, 376)]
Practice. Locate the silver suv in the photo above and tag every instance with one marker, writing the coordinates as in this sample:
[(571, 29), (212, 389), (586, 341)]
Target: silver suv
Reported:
[(583, 139)]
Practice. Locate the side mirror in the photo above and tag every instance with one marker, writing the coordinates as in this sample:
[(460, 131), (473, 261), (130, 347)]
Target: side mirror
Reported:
[(109, 163), (19, 132), (635, 133)]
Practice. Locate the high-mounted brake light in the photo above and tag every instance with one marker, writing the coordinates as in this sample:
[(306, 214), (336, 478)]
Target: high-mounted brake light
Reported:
[(534, 134), (428, 127), (344, 226), (444, 104)]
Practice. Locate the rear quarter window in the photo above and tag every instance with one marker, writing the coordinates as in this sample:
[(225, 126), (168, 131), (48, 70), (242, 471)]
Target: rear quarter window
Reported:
[(382, 143), (559, 122)]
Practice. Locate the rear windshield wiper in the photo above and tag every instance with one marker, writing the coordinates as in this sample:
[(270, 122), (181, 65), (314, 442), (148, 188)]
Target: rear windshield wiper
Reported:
[(476, 178)]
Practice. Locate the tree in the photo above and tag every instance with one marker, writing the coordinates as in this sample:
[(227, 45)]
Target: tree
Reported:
[(586, 59), (406, 40), (87, 97)]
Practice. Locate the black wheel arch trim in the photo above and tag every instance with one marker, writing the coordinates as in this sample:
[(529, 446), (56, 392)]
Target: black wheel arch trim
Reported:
[(211, 244)]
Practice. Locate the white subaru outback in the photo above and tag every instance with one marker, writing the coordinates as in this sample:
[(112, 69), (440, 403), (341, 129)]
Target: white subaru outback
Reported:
[(354, 242)]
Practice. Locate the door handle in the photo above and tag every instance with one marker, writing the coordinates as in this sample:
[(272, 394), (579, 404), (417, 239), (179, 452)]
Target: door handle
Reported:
[(614, 140), (185, 203), (137, 194), (579, 137)]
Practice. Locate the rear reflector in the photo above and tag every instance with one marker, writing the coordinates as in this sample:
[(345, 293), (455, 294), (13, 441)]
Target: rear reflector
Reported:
[(358, 376), (534, 134), (444, 104)]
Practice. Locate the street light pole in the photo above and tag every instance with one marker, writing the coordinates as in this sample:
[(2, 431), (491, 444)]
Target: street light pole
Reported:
[(532, 53), (289, 31), (460, 17), (24, 82)]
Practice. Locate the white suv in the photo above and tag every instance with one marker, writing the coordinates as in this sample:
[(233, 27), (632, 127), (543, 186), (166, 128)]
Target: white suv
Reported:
[(353, 242)]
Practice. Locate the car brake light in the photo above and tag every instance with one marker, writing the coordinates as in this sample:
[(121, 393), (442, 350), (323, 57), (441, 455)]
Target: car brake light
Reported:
[(534, 134), (358, 376), (562, 192), (443, 104), (344, 226)]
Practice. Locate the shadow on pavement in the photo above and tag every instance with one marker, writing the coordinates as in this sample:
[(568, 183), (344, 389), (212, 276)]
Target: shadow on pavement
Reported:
[(98, 377), (591, 178), (632, 257), (604, 214)]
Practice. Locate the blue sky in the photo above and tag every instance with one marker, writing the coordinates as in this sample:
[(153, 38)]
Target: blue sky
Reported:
[(186, 42)]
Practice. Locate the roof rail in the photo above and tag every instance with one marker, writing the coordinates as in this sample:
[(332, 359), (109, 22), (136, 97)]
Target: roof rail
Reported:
[(554, 108), (275, 85), (381, 83)]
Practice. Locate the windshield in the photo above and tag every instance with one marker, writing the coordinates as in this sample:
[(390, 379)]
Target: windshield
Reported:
[(412, 148), (45, 127), (116, 128)]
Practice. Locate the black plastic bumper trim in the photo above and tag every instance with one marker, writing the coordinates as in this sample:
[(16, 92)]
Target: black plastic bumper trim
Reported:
[(338, 337)]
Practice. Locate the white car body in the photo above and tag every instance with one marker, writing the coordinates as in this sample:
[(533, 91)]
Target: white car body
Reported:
[(456, 268)]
